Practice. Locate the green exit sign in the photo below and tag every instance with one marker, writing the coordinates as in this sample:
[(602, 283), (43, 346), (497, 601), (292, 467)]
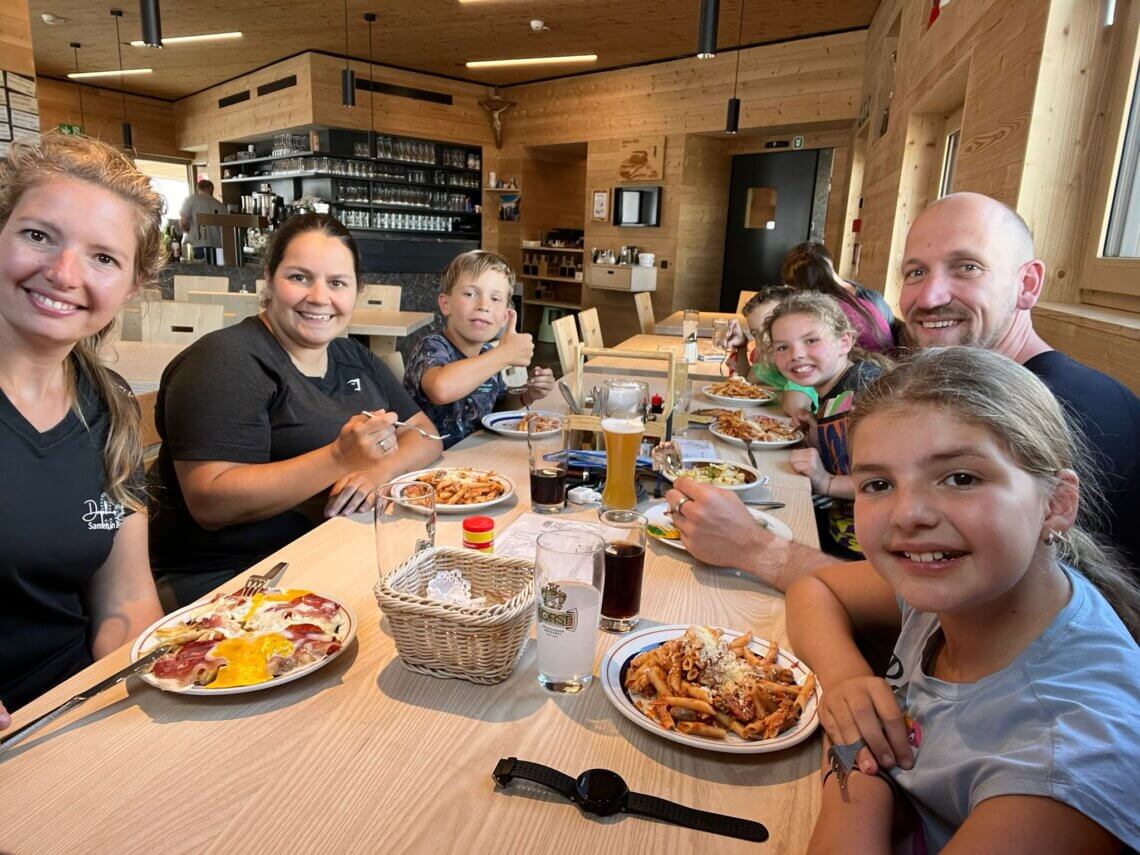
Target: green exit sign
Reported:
[(71, 130), (797, 142)]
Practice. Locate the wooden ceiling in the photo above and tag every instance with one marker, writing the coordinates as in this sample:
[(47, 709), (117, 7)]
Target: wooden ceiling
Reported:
[(433, 36)]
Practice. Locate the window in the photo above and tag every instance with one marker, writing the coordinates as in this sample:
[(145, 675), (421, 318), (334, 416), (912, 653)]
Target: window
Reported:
[(1110, 269), (169, 180), (949, 163), (1123, 238)]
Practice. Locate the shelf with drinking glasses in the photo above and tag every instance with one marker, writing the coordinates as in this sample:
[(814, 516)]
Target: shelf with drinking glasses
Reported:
[(438, 185)]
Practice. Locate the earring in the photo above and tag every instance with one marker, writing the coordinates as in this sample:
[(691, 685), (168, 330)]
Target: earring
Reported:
[(1050, 538)]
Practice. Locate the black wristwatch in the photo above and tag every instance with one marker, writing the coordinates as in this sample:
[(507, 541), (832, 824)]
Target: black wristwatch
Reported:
[(604, 793)]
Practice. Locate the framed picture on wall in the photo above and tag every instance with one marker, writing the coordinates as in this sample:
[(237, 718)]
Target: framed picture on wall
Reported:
[(600, 210)]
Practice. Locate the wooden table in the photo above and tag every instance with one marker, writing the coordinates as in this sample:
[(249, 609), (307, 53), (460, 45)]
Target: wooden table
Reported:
[(672, 324), (364, 751), (704, 370), (383, 327), (140, 363)]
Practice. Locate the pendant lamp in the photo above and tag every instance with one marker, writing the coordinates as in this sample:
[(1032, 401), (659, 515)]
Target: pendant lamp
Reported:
[(75, 46), (347, 78), (370, 17), (128, 137), (732, 119), (151, 23), (706, 29)]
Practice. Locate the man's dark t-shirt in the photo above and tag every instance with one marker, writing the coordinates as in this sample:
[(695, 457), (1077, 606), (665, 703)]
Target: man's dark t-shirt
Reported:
[(235, 395), (57, 529), (1109, 415)]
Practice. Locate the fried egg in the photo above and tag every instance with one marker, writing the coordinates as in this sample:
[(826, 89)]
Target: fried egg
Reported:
[(247, 659)]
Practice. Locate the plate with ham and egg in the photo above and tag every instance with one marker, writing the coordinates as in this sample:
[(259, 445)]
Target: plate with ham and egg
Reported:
[(234, 644)]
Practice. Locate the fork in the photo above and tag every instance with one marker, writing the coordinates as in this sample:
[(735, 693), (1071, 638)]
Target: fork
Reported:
[(418, 430), (751, 456), (257, 584)]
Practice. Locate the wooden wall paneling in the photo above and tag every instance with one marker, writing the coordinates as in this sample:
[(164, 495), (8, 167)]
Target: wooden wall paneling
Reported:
[(851, 210), (617, 310), (706, 175), (1002, 44), (799, 82), (1066, 135), (153, 122), (1106, 345), (16, 37), (462, 121)]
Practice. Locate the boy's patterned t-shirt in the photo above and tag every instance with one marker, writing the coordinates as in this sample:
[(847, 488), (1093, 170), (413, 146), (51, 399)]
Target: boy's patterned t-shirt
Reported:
[(460, 418)]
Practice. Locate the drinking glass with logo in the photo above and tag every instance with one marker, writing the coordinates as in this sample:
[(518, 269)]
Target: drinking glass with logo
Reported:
[(625, 566), (568, 577), (405, 522), (549, 458), (623, 407)]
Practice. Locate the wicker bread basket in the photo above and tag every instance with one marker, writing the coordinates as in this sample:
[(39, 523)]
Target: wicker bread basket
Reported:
[(480, 645)]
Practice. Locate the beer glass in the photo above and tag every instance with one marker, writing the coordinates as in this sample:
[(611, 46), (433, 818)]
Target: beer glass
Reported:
[(690, 324), (405, 522), (623, 407), (568, 579), (549, 458), (720, 333), (625, 566)]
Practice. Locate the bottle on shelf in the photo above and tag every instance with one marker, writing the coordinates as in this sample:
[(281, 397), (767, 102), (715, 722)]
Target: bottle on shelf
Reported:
[(187, 247), (174, 247)]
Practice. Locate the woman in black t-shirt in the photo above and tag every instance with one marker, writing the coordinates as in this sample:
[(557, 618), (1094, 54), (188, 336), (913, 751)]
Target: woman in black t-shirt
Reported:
[(260, 418), (78, 234)]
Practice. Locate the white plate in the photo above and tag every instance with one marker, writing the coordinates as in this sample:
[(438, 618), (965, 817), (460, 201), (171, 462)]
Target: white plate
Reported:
[(738, 402), (757, 478), (611, 678), (656, 516), (756, 443), (503, 423), (145, 643), (463, 509)]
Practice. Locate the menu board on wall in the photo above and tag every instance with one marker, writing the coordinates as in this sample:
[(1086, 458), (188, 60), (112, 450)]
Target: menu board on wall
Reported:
[(19, 110), (641, 159)]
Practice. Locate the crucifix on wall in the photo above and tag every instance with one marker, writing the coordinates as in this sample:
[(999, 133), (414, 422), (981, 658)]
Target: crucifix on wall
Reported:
[(496, 106)]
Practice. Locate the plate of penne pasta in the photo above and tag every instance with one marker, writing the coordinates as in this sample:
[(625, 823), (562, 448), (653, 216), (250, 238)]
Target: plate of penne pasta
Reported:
[(709, 688)]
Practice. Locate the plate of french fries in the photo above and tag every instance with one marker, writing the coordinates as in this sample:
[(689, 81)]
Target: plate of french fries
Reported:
[(766, 431), (459, 490), (711, 688), (738, 392)]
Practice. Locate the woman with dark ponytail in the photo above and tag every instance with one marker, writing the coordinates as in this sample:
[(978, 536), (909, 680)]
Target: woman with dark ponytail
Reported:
[(79, 233), (809, 267)]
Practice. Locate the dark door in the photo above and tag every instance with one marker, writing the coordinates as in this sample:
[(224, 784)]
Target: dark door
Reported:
[(769, 212)]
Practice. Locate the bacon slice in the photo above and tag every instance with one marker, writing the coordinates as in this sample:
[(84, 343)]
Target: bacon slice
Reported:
[(190, 664)]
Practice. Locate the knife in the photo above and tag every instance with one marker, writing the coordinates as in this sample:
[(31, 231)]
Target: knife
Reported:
[(47, 718), (751, 456)]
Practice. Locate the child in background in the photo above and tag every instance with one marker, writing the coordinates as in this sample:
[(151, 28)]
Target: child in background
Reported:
[(1009, 718), (812, 343), (797, 401), (453, 375)]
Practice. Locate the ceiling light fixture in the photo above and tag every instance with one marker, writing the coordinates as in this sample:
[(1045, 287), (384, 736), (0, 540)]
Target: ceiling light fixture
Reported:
[(75, 46), (124, 73), (536, 60), (167, 41), (370, 17), (732, 119), (706, 29), (128, 138), (151, 23), (347, 78)]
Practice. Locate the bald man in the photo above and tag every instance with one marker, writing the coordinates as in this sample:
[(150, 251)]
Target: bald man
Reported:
[(970, 277)]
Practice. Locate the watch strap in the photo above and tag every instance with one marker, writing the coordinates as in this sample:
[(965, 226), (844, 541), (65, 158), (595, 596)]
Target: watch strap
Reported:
[(544, 775), (729, 826)]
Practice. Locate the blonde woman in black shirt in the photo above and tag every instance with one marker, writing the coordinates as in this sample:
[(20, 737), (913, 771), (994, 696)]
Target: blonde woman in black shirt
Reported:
[(79, 233)]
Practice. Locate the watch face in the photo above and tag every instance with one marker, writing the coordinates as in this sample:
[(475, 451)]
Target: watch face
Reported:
[(601, 791)]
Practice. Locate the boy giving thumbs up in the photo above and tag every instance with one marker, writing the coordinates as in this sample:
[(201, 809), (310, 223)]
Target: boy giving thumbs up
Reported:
[(454, 374)]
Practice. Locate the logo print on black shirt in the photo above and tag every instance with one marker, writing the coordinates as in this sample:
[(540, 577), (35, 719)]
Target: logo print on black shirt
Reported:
[(103, 515), (354, 383)]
